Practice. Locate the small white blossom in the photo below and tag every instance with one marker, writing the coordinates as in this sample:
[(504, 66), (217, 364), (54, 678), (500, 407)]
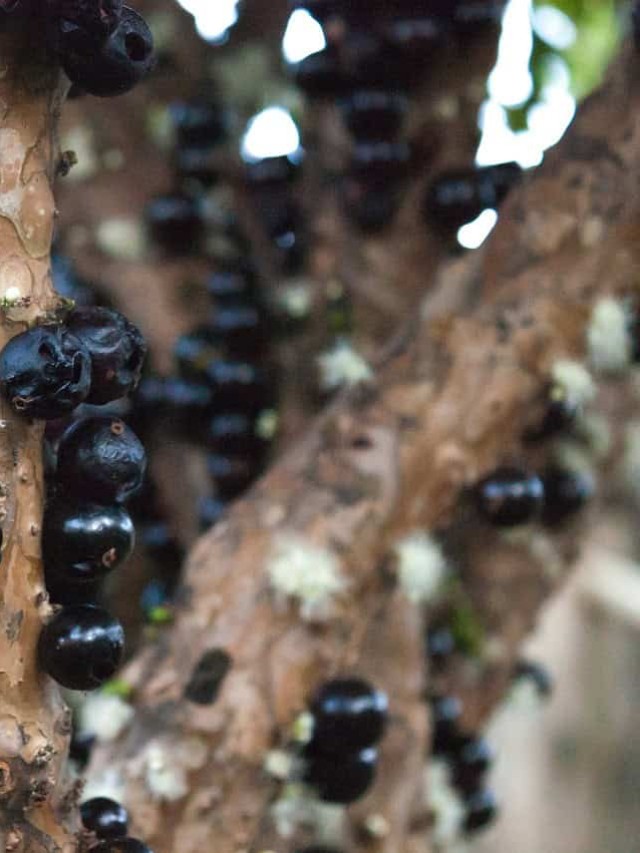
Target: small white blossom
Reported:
[(298, 569), (608, 337), (121, 238), (422, 567), (110, 783), (445, 803), (165, 777), (104, 716), (575, 380), (342, 367)]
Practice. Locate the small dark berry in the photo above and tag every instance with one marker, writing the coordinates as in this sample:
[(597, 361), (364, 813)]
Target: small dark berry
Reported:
[(509, 497), (441, 645), (84, 542), (114, 67), (199, 123), (233, 285), (194, 351), (273, 171), (101, 459), (81, 647), (320, 75), (373, 114), (175, 223), (366, 59), (80, 748), (380, 161), (537, 673), (196, 166), (371, 207), (210, 511), (503, 177), (565, 494), (457, 197), (117, 351), (240, 328), (239, 386), (481, 811), (104, 817), (235, 434), (559, 416), (121, 845), (45, 372), (161, 546), (411, 42), (232, 475), (343, 778), (349, 714), (446, 712), (68, 284), (471, 764)]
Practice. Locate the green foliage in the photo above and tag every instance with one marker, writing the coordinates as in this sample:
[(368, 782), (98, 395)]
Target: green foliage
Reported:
[(467, 629), (597, 24)]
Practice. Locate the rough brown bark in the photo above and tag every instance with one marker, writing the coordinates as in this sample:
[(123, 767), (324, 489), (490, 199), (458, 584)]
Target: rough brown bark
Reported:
[(449, 403), (34, 722)]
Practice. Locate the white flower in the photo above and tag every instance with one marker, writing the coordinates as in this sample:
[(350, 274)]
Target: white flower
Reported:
[(300, 570), (608, 337), (104, 716), (343, 367), (422, 567), (575, 380)]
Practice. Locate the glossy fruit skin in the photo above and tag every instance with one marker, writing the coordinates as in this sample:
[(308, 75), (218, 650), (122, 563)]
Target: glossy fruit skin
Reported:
[(240, 329), (320, 75), (273, 172), (239, 386), (482, 810), (471, 764), (446, 712), (96, 20), (441, 645), (235, 433), (565, 494), (114, 67), (509, 497), (349, 714), (232, 475), (80, 748), (117, 351), (101, 459), (340, 779), (68, 284), (45, 372), (175, 223), (105, 817), (199, 123), (380, 161), (121, 845), (81, 647), (233, 285), (83, 542), (536, 672), (374, 114)]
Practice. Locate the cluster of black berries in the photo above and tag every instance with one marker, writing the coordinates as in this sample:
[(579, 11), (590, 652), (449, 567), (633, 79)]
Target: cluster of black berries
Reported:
[(368, 64), (108, 821), (46, 373), (349, 718), (104, 47), (469, 757)]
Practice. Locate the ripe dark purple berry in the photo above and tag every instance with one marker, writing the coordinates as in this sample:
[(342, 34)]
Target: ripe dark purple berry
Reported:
[(175, 223), (233, 285), (481, 811), (446, 713), (239, 386), (80, 748), (559, 415), (117, 351), (565, 494), (471, 764), (441, 645), (343, 778), (45, 372), (371, 207), (509, 497), (94, 19), (197, 166), (235, 433), (349, 714), (104, 817), (161, 546), (380, 161), (81, 647), (101, 459), (111, 68), (273, 171), (121, 845), (537, 673), (83, 542), (232, 475), (199, 123), (240, 329), (320, 75), (374, 114)]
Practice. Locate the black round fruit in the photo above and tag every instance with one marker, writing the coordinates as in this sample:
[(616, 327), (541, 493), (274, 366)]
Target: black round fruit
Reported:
[(340, 779), (240, 329), (117, 351), (104, 817), (446, 712), (81, 647), (238, 386), (199, 123), (121, 845), (320, 75), (471, 763), (114, 67), (233, 285), (80, 747), (537, 673), (95, 21), (349, 714), (45, 372), (565, 494), (175, 222), (481, 811), (83, 542), (441, 645), (101, 459), (232, 475), (374, 114), (509, 497)]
